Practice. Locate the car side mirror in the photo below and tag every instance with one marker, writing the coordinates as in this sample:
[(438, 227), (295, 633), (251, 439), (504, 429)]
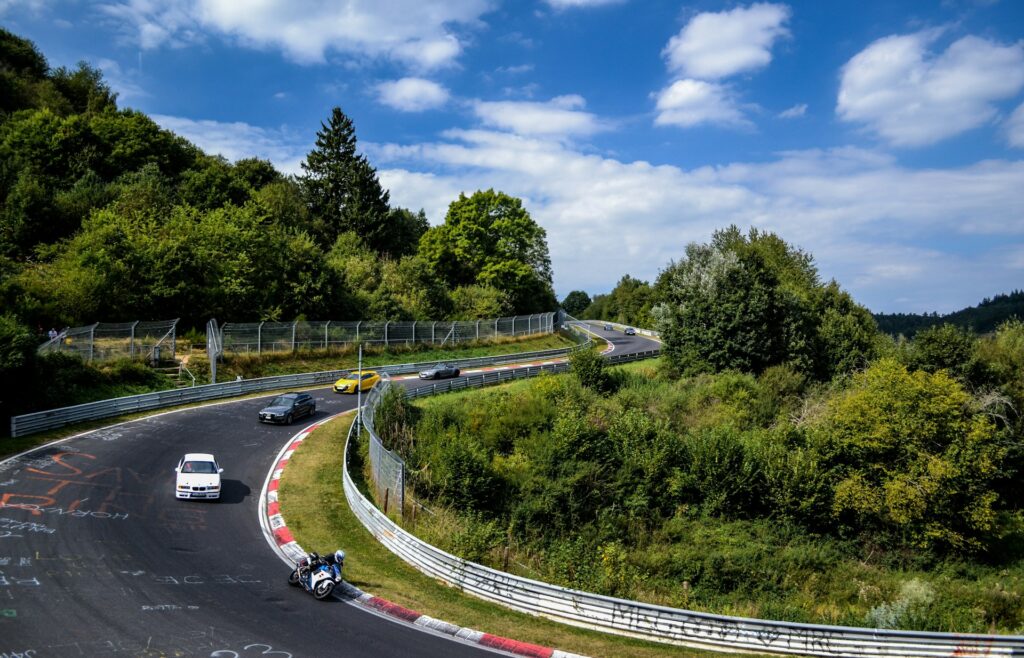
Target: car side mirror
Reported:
[(220, 470)]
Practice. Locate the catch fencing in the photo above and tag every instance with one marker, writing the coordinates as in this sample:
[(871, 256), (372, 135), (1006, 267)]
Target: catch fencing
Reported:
[(116, 340), (42, 421), (644, 620), (260, 337), (387, 467)]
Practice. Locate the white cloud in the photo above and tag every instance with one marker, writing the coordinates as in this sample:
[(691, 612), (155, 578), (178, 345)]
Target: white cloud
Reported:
[(1015, 127), (867, 220), (897, 238), (122, 82), (562, 116), (912, 97), (688, 103), (717, 45), (412, 94), (411, 31), (240, 140), (570, 4), (515, 70), (794, 112)]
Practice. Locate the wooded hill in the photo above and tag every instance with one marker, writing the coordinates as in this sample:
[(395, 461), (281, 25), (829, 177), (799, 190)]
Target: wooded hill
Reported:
[(983, 318), (104, 215)]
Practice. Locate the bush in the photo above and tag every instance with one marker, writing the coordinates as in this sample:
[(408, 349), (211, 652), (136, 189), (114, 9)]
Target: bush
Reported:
[(588, 368)]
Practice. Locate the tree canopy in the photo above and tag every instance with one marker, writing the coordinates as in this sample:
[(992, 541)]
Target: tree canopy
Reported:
[(749, 302), (489, 239)]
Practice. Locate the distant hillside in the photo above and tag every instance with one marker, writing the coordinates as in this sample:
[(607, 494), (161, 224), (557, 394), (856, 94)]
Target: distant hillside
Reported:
[(983, 318)]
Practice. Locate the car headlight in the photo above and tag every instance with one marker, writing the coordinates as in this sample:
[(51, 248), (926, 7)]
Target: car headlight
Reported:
[(183, 486)]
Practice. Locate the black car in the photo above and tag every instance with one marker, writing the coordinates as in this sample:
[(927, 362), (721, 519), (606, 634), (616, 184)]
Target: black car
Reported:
[(287, 407), (440, 371)]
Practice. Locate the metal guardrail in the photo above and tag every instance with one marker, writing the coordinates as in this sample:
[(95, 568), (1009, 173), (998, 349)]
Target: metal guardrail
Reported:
[(41, 421), (644, 620)]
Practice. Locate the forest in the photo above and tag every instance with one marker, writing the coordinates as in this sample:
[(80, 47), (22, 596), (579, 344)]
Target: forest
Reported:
[(783, 459), (106, 216)]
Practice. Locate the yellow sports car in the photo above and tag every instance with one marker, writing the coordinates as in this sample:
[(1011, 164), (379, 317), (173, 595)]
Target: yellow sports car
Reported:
[(351, 381)]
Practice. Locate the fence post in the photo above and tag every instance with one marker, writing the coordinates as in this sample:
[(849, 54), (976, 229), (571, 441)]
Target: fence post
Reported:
[(259, 339), (294, 325), (357, 330), (386, 333), (92, 340), (414, 332), (131, 341), (432, 339), (326, 327), (478, 331), (174, 339)]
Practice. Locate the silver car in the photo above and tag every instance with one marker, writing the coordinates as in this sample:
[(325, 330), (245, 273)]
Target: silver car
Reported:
[(440, 371)]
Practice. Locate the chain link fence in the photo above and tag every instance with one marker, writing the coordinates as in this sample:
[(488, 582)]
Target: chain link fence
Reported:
[(388, 468), (101, 341), (259, 337)]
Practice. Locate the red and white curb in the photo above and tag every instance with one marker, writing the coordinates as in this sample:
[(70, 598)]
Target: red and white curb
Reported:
[(281, 539)]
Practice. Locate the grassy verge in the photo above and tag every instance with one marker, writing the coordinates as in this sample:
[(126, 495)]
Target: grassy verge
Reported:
[(314, 506), (272, 364)]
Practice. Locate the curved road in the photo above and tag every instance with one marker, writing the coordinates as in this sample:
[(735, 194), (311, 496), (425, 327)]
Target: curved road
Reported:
[(97, 558)]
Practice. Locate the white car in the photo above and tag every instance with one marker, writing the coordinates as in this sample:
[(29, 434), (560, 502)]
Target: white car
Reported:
[(198, 476)]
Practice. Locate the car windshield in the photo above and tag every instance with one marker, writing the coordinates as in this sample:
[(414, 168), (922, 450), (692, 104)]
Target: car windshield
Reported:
[(198, 467), (367, 375), (281, 401)]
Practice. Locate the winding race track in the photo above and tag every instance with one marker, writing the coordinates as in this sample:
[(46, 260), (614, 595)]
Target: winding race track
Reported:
[(97, 557)]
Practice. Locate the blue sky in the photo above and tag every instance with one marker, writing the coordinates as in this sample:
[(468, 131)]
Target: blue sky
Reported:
[(884, 137)]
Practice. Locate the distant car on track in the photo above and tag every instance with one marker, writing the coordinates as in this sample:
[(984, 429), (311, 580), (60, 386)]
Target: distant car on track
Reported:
[(630, 331), (440, 371), (287, 407), (607, 327), (198, 476), (351, 382)]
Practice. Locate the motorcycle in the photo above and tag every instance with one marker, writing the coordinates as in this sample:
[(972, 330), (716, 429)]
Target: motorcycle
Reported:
[(316, 575)]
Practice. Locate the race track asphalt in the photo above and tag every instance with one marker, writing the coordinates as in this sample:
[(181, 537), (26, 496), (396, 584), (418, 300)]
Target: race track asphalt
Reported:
[(97, 557)]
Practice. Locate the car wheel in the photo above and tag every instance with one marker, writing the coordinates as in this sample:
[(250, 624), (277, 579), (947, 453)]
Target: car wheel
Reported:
[(323, 589), (457, 372), (288, 419), (312, 410)]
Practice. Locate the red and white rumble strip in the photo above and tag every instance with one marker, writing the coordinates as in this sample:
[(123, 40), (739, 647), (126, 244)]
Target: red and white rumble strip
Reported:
[(290, 549)]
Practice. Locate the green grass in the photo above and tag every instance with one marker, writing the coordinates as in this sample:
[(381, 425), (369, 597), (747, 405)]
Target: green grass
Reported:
[(314, 507), (748, 567), (286, 363)]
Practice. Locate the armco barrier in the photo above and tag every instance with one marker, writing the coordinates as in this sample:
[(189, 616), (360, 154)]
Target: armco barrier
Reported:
[(41, 421), (644, 620)]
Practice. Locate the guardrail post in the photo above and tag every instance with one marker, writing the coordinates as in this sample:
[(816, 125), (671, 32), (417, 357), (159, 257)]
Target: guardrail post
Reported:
[(386, 324), (259, 339), (326, 327)]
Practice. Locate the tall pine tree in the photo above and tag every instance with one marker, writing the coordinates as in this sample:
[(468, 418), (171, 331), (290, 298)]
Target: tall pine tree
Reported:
[(342, 189)]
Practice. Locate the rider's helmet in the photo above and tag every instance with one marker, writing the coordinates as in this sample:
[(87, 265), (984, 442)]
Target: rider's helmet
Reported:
[(339, 557)]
